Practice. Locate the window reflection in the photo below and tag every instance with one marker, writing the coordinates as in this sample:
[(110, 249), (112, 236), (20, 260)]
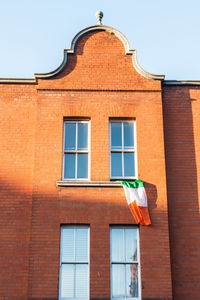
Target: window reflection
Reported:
[(122, 149), (124, 263), (133, 286), (76, 150)]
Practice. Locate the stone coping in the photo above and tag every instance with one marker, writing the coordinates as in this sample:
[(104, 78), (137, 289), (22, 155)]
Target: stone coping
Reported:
[(65, 183)]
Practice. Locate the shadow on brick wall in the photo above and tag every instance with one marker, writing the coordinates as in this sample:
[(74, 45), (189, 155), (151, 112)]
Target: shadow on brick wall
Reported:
[(30, 232), (152, 195), (182, 190)]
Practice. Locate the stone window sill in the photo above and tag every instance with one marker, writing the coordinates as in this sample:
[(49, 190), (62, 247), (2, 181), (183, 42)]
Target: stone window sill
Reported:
[(88, 184)]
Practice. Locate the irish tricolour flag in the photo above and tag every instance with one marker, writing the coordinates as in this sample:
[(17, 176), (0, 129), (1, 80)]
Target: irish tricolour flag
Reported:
[(137, 201)]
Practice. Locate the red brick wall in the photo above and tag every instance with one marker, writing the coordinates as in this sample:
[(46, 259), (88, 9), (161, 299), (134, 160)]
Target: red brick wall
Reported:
[(182, 144), (100, 63), (17, 140), (98, 82)]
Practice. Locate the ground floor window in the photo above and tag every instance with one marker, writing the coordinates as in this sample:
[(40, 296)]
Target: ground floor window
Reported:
[(125, 265), (74, 263)]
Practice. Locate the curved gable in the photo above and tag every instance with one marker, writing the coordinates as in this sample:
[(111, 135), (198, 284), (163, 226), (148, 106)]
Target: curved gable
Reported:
[(99, 58)]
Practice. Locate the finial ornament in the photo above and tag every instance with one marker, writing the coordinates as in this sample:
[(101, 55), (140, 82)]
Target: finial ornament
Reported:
[(99, 16)]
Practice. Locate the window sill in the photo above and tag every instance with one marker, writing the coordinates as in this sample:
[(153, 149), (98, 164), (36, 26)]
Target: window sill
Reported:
[(88, 184)]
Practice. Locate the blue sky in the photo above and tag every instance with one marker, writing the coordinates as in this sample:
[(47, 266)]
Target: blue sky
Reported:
[(166, 34)]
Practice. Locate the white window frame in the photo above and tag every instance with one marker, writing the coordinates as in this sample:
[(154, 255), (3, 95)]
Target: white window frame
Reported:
[(76, 151), (122, 150), (126, 262), (74, 262)]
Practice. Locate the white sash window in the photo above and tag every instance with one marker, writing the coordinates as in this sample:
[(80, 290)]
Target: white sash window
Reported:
[(74, 263), (76, 150), (122, 149), (125, 263)]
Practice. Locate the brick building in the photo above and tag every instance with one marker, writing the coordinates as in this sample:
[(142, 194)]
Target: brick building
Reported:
[(67, 137)]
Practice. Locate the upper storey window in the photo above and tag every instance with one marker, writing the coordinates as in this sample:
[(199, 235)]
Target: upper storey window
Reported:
[(76, 150), (122, 149)]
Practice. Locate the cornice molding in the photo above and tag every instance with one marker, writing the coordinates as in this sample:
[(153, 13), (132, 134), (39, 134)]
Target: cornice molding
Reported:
[(141, 71), (181, 82), (71, 50), (18, 80)]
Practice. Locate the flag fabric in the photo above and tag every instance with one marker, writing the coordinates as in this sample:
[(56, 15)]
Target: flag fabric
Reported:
[(137, 201)]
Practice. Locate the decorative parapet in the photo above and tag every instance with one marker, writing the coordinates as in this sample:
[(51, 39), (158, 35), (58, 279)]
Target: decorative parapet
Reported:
[(71, 50)]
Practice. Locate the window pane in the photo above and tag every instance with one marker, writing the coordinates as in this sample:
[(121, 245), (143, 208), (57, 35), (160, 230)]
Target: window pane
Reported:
[(129, 164), (69, 166), (128, 135), (132, 280), (117, 245), (82, 136), (82, 281), (116, 164), (68, 245), (131, 244), (82, 244), (118, 281), (82, 171), (67, 281), (70, 136), (116, 135)]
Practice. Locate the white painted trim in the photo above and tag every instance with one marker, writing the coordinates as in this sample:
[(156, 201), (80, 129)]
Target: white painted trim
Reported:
[(57, 70), (134, 150), (141, 71), (126, 262), (71, 50), (76, 151), (74, 262), (109, 184), (109, 29), (89, 150), (122, 128), (139, 264)]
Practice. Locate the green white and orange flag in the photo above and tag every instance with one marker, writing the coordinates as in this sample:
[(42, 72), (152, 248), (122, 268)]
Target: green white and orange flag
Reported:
[(137, 201)]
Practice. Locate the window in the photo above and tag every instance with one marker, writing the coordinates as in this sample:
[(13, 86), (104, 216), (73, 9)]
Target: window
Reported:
[(74, 263), (122, 149), (76, 150), (125, 267)]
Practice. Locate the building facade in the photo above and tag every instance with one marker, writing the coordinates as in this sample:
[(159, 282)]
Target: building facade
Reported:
[(67, 138)]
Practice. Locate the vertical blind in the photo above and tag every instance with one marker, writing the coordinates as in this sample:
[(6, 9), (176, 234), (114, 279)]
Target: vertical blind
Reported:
[(74, 262)]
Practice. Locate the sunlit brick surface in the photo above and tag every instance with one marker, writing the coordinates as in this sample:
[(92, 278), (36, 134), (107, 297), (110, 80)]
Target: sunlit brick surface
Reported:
[(99, 82)]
